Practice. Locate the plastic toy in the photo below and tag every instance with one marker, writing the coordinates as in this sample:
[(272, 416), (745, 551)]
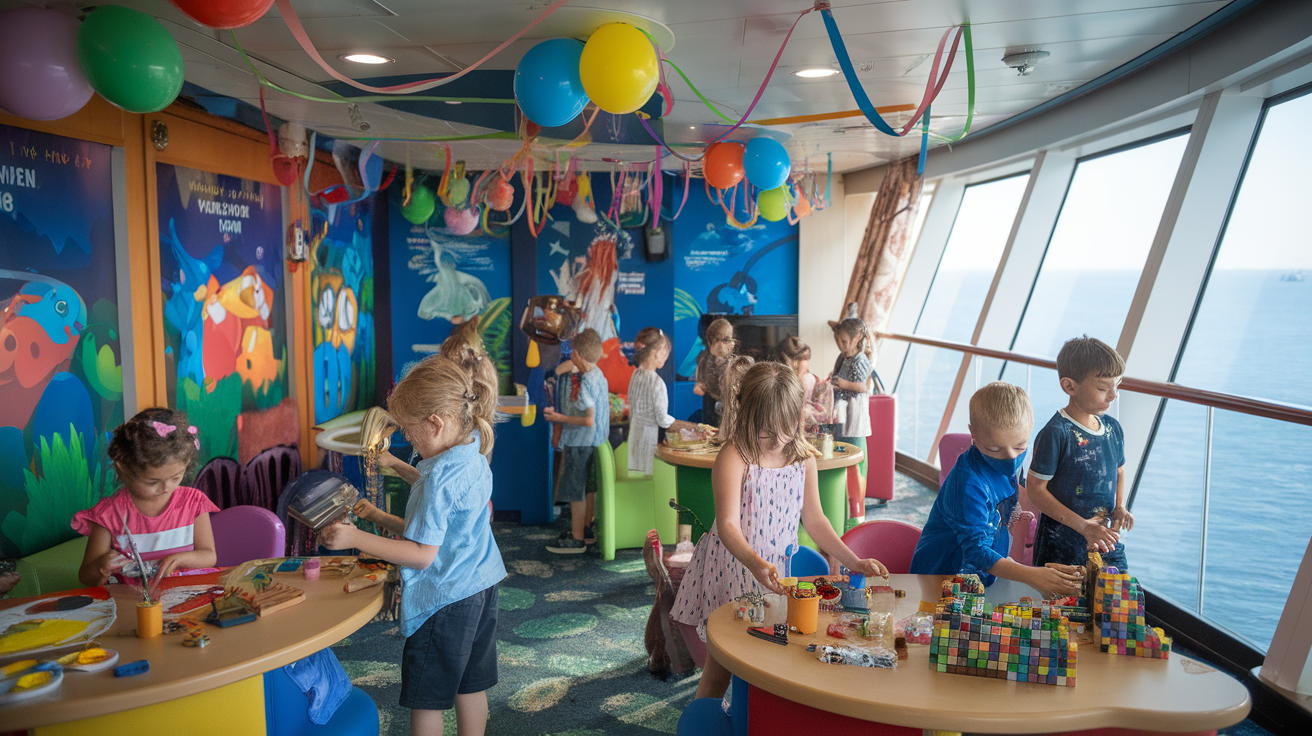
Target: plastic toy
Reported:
[(778, 634), (1119, 610), (139, 667)]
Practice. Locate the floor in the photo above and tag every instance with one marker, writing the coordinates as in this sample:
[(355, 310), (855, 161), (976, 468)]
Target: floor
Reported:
[(570, 642)]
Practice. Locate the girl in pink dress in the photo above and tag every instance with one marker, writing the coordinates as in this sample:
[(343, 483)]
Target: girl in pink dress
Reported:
[(764, 479), (169, 522)]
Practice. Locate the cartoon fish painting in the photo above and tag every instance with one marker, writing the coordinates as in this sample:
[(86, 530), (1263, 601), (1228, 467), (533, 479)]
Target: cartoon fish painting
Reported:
[(39, 328)]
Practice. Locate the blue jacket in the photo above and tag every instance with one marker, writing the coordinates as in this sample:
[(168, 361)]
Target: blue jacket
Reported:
[(967, 528)]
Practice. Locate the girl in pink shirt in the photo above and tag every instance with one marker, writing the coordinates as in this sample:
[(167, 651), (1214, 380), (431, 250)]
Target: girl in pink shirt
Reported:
[(169, 522)]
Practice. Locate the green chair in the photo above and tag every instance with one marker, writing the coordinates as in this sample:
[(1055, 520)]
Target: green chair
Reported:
[(51, 570), (628, 506)]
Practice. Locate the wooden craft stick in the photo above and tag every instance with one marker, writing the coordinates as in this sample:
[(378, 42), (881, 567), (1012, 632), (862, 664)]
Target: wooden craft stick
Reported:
[(365, 581)]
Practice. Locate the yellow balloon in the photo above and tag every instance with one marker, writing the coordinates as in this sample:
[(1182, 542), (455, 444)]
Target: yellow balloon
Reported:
[(619, 68)]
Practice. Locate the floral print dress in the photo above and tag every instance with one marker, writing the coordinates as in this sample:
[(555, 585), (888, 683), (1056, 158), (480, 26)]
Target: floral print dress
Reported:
[(769, 511)]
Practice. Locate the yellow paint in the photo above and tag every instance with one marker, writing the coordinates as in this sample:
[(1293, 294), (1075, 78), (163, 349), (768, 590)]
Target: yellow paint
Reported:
[(232, 709), (47, 633)]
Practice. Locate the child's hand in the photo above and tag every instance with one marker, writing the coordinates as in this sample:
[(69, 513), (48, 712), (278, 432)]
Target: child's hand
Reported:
[(167, 566), (1122, 519), (699, 389), (871, 568), (550, 414), (338, 536), (1056, 580), (1098, 536), (388, 460), (364, 509), (768, 576), (110, 563)]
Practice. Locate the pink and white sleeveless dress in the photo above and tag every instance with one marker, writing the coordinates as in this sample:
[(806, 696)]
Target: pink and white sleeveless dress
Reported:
[(770, 509)]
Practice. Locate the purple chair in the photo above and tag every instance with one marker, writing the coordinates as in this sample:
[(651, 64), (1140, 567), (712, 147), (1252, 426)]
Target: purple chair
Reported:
[(949, 449), (243, 533), (267, 474), (218, 480)]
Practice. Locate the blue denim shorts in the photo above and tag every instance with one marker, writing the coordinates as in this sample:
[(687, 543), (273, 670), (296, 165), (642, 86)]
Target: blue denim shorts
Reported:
[(453, 652)]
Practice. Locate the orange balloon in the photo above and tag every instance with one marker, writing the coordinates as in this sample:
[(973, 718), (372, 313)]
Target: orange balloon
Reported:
[(723, 164)]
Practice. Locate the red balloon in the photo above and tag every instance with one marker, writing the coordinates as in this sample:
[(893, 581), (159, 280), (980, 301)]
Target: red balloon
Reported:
[(723, 164), (223, 14)]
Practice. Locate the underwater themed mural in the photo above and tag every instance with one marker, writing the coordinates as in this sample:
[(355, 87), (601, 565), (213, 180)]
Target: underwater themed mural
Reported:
[(61, 375), (342, 293), (225, 321)]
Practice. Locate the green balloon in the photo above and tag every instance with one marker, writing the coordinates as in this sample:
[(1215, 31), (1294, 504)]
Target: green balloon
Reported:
[(420, 208), (130, 59), (772, 204)]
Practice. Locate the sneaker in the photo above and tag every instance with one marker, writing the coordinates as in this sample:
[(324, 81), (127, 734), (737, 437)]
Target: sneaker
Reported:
[(568, 546), (590, 534)]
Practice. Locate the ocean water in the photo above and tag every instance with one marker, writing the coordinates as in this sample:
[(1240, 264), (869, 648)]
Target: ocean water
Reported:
[(1252, 337)]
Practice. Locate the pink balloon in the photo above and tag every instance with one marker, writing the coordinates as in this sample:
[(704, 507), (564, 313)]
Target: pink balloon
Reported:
[(40, 78), (460, 222)]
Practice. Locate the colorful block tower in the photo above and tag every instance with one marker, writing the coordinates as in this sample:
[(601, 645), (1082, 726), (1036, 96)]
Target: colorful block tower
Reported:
[(1019, 642), (1122, 629)]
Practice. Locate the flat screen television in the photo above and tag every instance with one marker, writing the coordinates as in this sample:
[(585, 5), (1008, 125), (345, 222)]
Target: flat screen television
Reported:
[(757, 334)]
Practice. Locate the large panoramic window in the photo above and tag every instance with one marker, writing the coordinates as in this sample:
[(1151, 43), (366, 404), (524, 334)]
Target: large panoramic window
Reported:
[(1092, 265), (1251, 336), (951, 309)]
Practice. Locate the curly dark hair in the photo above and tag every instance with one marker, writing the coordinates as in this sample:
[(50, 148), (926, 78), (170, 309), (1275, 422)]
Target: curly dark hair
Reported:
[(139, 445)]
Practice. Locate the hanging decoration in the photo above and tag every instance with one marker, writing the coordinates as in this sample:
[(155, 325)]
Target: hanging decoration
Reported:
[(723, 164), (773, 203), (40, 78), (223, 14), (619, 68), (548, 88), (765, 163), (130, 59)]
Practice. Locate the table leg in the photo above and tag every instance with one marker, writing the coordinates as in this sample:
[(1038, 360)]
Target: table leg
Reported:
[(696, 494), (232, 709), (833, 497)]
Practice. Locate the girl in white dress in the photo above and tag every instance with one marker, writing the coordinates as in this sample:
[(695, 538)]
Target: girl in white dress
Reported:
[(649, 400)]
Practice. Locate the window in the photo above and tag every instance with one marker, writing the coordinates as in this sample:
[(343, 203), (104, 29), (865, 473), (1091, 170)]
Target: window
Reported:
[(1249, 336), (952, 306), (1092, 265)]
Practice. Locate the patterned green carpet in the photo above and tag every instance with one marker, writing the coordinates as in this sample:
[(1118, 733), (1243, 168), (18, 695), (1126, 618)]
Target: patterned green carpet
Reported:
[(570, 649)]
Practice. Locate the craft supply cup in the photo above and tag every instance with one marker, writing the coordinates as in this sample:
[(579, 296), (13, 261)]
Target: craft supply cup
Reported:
[(311, 568), (685, 533), (150, 620), (803, 613)]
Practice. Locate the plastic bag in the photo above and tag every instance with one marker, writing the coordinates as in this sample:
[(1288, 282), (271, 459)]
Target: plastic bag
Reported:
[(819, 407), (857, 656)]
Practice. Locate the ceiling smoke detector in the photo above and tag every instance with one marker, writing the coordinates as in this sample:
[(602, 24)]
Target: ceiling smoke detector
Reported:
[(1024, 61)]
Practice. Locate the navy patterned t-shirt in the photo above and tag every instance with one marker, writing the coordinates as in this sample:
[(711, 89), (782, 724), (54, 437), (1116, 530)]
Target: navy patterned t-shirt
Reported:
[(1080, 465)]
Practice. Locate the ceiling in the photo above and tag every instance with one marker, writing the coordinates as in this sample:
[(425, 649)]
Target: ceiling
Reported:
[(725, 47)]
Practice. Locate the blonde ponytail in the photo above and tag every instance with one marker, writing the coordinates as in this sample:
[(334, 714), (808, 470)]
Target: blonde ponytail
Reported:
[(459, 386)]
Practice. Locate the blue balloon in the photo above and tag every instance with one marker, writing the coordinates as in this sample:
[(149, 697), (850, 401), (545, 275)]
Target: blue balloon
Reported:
[(765, 162), (547, 84)]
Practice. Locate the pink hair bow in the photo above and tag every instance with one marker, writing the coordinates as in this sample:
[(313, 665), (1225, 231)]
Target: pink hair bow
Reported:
[(194, 438), (164, 429)]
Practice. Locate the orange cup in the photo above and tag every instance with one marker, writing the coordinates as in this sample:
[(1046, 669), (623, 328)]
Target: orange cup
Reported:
[(150, 620), (803, 614)]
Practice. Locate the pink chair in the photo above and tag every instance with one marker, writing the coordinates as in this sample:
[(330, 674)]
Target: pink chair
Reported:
[(243, 533), (890, 541), (1026, 526)]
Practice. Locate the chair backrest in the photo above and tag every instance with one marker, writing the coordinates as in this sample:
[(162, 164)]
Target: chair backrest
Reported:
[(622, 461), (243, 533), (605, 459), (267, 474), (218, 480), (890, 541), (949, 449), (806, 561)]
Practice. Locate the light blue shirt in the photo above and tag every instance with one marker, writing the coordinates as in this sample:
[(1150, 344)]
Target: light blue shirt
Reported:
[(594, 394), (448, 509)]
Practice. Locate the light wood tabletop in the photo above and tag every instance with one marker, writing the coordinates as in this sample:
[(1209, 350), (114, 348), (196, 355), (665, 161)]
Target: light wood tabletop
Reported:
[(327, 616), (1176, 694), (848, 455)]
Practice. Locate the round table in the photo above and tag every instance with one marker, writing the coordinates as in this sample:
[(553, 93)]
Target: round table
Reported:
[(1175, 694), (234, 654), (694, 483)]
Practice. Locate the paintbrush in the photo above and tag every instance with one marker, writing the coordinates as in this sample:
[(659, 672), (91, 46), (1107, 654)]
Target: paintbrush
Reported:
[(135, 554)]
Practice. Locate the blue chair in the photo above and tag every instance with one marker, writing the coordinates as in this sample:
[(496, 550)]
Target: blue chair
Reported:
[(705, 716), (286, 711), (806, 561)]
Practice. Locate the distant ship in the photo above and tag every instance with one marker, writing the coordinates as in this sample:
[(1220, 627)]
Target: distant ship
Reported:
[(1298, 275)]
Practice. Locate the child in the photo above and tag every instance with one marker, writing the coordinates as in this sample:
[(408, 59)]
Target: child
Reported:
[(720, 344), (580, 438), (763, 480), (734, 370), (170, 522), (967, 527), (450, 564), (850, 378), (797, 355), (649, 400), (1077, 477)]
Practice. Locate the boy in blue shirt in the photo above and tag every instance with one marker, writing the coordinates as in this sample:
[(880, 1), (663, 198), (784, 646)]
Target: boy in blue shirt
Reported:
[(1077, 477), (580, 437), (967, 528)]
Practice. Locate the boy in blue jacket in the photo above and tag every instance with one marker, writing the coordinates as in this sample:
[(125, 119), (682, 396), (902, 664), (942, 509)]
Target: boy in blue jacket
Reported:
[(967, 528)]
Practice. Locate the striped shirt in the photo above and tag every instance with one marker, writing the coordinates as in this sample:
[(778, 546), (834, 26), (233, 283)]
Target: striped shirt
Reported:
[(649, 403)]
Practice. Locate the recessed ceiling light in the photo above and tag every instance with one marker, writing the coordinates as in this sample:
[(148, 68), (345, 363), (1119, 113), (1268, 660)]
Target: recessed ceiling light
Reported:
[(366, 59), (816, 72), (692, 127), (454, 102)]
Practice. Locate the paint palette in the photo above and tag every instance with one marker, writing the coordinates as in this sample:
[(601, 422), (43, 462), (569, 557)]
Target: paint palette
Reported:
[(89, 660), (12, 691), (55, 622)]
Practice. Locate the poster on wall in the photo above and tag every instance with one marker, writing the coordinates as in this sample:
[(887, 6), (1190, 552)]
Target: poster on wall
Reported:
[(61, 375), (439, 281), (342, 292), (225, 322)]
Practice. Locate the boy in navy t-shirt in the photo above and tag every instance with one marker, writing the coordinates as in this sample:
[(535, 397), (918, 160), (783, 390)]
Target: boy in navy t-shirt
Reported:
[(967, 527), (1077, 477)]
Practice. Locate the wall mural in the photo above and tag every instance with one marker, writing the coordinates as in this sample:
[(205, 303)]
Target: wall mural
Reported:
[(440, 280), (61, 376), (225, 323), (342, 293)]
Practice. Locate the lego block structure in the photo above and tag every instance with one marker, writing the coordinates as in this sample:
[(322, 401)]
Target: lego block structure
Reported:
[(1018, 642), (1119, 612)]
